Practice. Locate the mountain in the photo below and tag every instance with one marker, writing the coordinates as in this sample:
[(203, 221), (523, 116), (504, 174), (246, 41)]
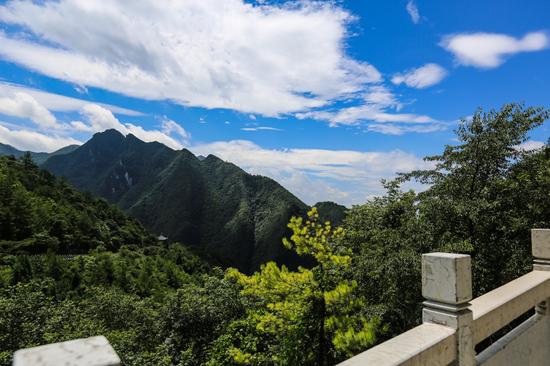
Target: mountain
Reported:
[(39, 213), (37, 157), (234, 218), (330, 211)]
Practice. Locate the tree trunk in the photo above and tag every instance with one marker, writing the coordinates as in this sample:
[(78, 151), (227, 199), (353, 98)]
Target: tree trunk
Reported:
[(321, 356)]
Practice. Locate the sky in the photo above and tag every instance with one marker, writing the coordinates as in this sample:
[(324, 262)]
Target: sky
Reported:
[(326, 97)]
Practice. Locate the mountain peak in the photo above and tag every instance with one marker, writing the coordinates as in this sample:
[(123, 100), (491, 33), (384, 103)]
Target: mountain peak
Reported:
[(108, 136), (238, 220)]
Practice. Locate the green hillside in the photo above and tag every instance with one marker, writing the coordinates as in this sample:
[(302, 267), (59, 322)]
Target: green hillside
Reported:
[(39, 213), (37, 157), (330, 211), (232, 217)]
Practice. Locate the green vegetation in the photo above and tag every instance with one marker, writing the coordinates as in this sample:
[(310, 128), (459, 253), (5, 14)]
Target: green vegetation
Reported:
[(39, 213), (74, 266), (37, 157), (232, 218), (485, 195), (308, 317)]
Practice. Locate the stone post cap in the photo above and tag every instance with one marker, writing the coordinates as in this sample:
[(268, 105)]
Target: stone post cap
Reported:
[(93, 351), (447, 278), (540, 243)]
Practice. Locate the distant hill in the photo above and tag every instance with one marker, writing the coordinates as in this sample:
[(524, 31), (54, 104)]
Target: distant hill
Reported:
[(234, 218), (39, 213), (330, 211), (37, 157)]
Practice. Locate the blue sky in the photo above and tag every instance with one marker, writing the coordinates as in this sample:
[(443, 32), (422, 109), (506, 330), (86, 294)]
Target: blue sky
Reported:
[(325, 97)]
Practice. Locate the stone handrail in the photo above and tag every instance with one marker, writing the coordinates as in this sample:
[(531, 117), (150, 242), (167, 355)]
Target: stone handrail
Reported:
[(427, 344), (498, 308), (94, 351), (453, 323)]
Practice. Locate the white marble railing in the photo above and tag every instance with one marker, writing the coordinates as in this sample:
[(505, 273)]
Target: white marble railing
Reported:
[(94, 351), (453, 323)]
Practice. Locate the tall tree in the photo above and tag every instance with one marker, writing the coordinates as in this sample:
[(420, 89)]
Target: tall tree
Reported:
[(309, 316)]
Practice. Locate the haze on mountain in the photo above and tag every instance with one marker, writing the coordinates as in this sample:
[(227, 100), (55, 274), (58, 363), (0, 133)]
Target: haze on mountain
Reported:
[(227, 215), (37, 157)]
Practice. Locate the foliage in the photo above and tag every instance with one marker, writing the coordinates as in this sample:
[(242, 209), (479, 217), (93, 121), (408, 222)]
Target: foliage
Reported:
[(37, 157), (304, 317), (233, 218), (75, 266), (483, 197), (39, 213)]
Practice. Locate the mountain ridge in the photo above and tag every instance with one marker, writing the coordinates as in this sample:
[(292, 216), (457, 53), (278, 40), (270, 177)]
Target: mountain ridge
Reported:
[(211, 205), (38, 157)]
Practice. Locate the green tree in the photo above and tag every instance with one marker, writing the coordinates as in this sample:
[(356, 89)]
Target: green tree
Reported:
[(483, 196), (309, 316), (466, 205)]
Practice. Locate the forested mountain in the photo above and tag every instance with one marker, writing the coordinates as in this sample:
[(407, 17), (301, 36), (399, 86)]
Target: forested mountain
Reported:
[(234, 218), (73, 266), (37, 157), (160, 305), (39, 213), (330, 211)]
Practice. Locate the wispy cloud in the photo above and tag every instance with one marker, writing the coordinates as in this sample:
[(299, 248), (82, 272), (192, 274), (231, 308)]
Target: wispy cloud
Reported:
[(378, 106), (25, 139), (268, 59), (530, 145), (349, 177), (422, 77), (412, 9), (489, 50), (260, 128), (57, 102), (50, 134), (96, 119), (400, 129), (24, 106)]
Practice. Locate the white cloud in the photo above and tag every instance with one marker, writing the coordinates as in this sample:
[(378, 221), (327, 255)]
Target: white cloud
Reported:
[(260, 128), (268, 59), (50, 132), (397, 129), (422, 77), (34, 140), (530, 145), (98, 119), (56, 102), (348, 177), (23, 105), (376, 107), (412, 9), (489, 50), (169, 127)]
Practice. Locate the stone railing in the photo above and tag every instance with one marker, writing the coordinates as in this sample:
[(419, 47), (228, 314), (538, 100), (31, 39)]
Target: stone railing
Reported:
[(94, 351), (453, 323)]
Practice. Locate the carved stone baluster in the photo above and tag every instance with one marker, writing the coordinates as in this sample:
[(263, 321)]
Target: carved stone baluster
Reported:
[(447, 288)]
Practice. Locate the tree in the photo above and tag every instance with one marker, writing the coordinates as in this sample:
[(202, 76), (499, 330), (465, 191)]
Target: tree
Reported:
[(309, 316), (466, 205), (483, 196)]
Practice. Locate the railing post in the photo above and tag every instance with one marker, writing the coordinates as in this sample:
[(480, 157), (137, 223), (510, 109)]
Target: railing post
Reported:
[(447, 288), (94, 351), (540, 247)]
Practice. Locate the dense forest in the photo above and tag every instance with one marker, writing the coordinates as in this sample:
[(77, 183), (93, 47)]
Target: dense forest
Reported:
[(235, 218), (74, 266)]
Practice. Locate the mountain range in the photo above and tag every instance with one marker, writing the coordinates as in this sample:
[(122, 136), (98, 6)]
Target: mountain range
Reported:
[(38, 157), (228, 216)]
